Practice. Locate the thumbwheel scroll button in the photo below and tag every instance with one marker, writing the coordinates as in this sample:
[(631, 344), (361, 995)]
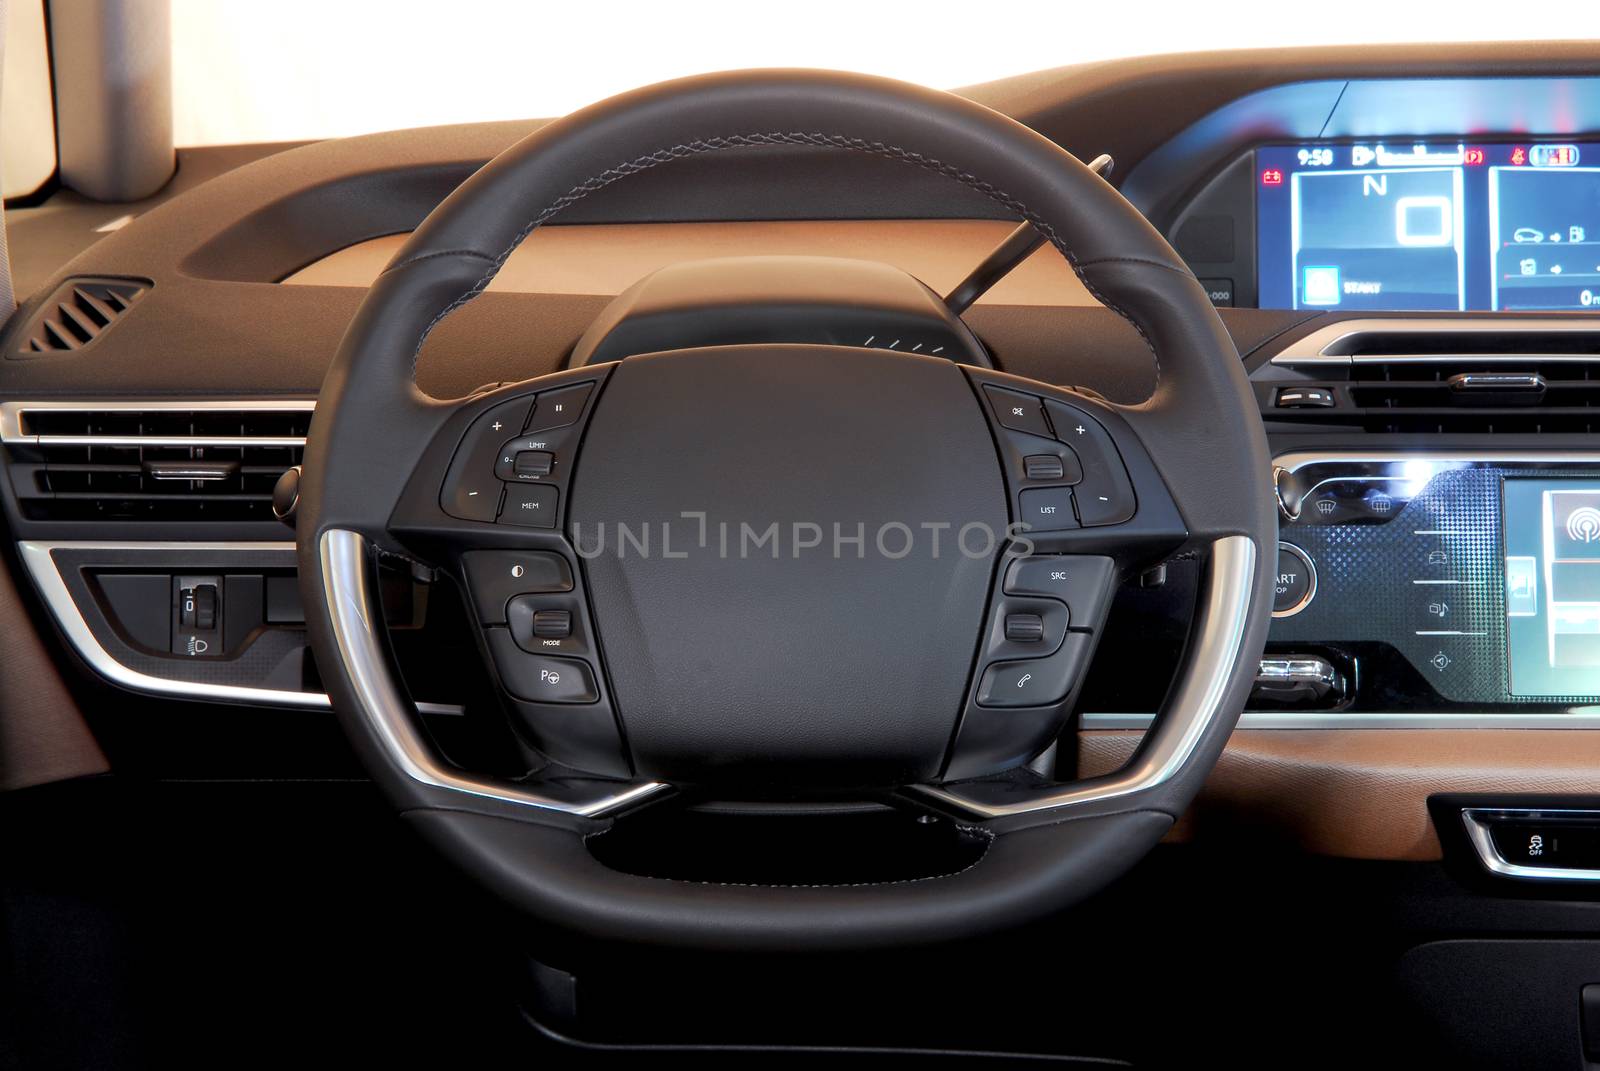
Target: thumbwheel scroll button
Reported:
[(1024, 628), (533, 463), (552, 624), (1046, 467)]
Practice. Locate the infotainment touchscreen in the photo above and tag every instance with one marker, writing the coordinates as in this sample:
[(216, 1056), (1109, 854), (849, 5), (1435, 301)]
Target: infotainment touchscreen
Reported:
[(1437, 225), (1552, 586)]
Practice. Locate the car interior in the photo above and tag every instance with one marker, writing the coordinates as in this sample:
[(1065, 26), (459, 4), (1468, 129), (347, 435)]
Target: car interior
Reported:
[(1096, 568)]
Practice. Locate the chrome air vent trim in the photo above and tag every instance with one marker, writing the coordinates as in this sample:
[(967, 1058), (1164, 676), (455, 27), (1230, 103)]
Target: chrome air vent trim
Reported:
[(14, 430), (122, 461), (1324, 346)]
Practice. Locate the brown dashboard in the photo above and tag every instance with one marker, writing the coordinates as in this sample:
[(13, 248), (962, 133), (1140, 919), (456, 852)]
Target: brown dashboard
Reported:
[(607, 259)]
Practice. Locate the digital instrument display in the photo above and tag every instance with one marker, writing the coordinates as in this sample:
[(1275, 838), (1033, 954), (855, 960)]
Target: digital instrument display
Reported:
[(1431, 225), (1552, 584)]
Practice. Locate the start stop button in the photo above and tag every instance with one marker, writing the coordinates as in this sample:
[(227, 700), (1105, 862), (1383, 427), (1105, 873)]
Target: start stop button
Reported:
[(1296, 582)]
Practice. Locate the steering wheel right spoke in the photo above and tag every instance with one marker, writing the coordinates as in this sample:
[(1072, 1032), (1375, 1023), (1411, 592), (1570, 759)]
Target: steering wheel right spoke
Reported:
[(1007, 801)]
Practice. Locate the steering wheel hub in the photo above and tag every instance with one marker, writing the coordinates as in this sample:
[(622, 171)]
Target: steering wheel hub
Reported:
[(789, 551)]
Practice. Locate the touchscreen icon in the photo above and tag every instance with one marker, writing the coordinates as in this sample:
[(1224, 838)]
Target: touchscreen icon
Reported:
[(1522, 585), (1583, 524), (1322, 285)]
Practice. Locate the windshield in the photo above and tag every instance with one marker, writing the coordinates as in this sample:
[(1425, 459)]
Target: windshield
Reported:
[(245, 71)]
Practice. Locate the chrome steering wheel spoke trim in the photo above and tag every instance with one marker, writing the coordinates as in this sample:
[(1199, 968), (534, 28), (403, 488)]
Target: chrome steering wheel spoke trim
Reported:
[(390, 714), (1220, 626)]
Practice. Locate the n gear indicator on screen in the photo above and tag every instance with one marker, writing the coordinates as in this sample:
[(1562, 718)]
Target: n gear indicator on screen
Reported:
[(1382, 237)]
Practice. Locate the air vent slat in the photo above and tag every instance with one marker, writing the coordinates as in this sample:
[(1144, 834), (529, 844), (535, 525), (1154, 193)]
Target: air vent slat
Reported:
[(102, 313), (56, 337), (116, 462), (76, 321), (1441, 376), (79, 312)]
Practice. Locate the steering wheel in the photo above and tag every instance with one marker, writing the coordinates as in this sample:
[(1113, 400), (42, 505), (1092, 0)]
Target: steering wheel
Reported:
[(787, 572)]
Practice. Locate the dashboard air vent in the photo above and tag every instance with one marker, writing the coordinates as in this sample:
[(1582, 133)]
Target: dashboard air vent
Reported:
[(1405, 376), (180, 461), (80, 311)]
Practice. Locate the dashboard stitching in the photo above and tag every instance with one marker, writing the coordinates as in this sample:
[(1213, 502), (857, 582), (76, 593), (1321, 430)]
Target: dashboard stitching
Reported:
[(693, 148), (449, 253), (1133, 260)]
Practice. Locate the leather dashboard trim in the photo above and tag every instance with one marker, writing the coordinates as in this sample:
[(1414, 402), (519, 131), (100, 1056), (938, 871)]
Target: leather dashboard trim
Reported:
[(1360, 793), (43, 736)]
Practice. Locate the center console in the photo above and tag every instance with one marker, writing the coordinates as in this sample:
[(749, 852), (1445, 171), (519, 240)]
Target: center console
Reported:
[(1465, 579)]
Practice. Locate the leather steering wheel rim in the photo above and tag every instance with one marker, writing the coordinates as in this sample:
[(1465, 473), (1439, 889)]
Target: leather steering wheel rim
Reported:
[(1200, 429)]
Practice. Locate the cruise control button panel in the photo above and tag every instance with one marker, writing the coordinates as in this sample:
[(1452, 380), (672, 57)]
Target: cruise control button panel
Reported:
[(513, 465), (471, 490)]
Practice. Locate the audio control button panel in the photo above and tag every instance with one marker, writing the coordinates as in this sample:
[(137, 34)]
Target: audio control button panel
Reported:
[(1063, 468), (1043, 621)]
